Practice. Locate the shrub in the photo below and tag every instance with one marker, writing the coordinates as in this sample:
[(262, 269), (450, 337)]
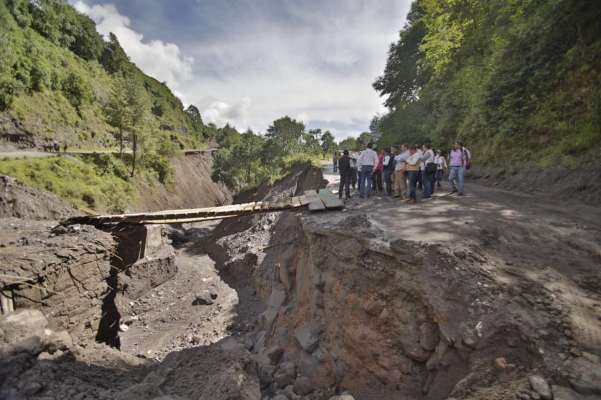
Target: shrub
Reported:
[(76, 90)]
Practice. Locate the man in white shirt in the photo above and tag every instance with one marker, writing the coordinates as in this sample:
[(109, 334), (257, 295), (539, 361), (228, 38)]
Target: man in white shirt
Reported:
[(428, 171), (367, 163)]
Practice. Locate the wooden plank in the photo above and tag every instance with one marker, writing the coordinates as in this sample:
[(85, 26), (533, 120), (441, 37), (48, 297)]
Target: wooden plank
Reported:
[(200, 213), (330, 200), (186, 220)]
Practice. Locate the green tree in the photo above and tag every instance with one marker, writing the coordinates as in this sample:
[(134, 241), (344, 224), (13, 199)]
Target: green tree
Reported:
[(228, 136), (311, 141), (349, 143), (114, 59), (328, 143), (286, 134), (127, 110), (77, 90)]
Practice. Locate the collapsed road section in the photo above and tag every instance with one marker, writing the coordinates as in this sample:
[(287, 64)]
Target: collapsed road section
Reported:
[(368, 303)]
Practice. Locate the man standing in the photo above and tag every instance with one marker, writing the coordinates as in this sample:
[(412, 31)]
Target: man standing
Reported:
[(354, 170), (400, 176), (344, 167), (388, 171), (368, 161), (441, 167), (412, 167), (458, 159), (335, 161), (429, 171)]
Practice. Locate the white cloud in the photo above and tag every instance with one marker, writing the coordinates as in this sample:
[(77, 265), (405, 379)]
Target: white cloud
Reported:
[(220, 113), (163, 61), (258, 60)]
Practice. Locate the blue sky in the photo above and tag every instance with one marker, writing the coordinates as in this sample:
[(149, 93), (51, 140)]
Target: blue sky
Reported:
[(249, 62)]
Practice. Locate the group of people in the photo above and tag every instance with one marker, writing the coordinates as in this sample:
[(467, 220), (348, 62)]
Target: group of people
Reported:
[(402, 171), (54, 146)]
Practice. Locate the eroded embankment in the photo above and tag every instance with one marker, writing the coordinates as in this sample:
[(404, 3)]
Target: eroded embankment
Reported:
[(352, 308), (331, 303)]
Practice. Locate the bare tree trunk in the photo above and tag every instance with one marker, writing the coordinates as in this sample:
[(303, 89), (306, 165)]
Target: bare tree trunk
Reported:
[(135, 151), (121, 143)]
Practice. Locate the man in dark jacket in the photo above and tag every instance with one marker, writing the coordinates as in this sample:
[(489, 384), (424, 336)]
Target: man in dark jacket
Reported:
[(344, 168)]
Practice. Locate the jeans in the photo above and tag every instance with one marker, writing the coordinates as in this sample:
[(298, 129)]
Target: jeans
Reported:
[(388, 181), (345, 182), (366, 180), (428, 179), (456, 174), (439, 176), (377, 181), (412, 176)]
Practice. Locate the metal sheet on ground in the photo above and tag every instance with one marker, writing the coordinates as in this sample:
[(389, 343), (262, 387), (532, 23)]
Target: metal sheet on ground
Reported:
[(330, 200), (315, 203)]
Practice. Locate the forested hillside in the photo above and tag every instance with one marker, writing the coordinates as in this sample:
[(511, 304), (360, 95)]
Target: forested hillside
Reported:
[(516, 80), (59, 78)]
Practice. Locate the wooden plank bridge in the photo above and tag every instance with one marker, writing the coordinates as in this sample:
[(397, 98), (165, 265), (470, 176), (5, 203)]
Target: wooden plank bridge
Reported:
[(314, 201)]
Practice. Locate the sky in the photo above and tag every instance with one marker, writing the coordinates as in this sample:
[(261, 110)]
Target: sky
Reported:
[(249, 62)]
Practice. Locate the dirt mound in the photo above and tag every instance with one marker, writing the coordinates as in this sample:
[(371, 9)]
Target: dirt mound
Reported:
[(557, 182), (20, 201)]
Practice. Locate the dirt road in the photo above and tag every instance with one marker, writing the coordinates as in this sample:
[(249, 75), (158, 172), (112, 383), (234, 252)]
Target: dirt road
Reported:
[(524, 238)]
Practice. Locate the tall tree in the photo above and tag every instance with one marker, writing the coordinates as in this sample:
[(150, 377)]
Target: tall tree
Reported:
[(328, 143), (286, 134), (127, 110)]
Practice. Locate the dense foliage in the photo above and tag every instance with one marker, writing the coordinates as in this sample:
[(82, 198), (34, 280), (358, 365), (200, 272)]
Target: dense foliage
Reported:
[(247, 160), (514, 79), (57, 75)]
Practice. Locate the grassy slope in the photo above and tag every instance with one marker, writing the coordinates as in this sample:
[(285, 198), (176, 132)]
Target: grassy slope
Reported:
[(90, 183), (85, 185), (49, 115)]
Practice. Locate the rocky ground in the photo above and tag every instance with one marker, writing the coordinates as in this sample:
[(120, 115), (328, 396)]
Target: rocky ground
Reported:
[(491, 296)]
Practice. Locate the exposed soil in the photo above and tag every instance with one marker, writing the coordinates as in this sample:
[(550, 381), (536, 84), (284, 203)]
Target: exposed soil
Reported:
[(472, 297), (556, 181), (191, 187), (19, 201)]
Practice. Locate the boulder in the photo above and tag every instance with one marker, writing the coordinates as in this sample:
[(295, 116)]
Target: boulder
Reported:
[(415, 352), (274, 353), (204, 298), (540, 386), (55, 341), (565, 393), (428, 336), (586, 377), (22, 324), (303, 386), (265, 373), (285, 375), (307, 337)]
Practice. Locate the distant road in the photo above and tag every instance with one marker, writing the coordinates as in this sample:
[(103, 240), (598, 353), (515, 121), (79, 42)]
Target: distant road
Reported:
[(40, 154)]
